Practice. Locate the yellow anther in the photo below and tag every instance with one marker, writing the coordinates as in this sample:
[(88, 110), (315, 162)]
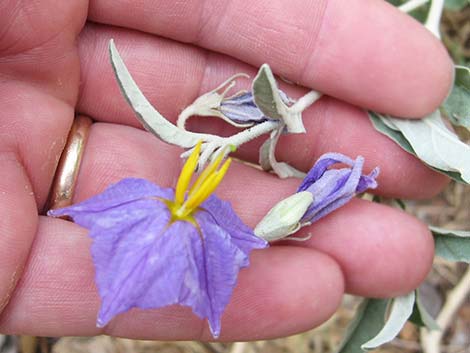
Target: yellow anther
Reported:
[(186, 174), (207, 172), (207, 187)]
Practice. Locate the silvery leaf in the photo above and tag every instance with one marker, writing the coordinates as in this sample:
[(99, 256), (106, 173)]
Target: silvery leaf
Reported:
[(268, 99), (368, 322), (399, 311), (452, 245), (457, 105), (267, 157), (385, 128), (420, 315), (266, 93), (430, 141), (152, 120)]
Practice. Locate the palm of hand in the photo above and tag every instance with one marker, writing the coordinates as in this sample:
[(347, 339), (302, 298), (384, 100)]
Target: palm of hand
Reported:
[(54, 65)]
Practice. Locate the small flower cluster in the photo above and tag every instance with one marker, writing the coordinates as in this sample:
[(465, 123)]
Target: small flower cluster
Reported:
[(154, 246)]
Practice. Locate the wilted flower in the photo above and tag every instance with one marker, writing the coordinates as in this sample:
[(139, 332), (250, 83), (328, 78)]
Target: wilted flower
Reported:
[(154, 246), (330, 188)]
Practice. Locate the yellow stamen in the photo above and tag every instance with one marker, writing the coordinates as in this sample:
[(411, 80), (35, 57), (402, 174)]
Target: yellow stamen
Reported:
[(204, 191), (207, 172), (202, 188), (186, 174), (207, 188)]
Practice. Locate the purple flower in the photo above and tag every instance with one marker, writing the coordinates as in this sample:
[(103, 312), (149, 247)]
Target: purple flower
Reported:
[(332, 188), (154, 246)]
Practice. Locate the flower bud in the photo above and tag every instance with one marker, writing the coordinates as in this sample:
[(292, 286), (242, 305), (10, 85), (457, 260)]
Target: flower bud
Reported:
[(283, 219)]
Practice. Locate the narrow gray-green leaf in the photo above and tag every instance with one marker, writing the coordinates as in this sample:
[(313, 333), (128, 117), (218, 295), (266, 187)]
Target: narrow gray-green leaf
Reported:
[(420, 315), (400, 310), (452, 245), (150, 118), (457, 105), (429, 140), (369, 320)]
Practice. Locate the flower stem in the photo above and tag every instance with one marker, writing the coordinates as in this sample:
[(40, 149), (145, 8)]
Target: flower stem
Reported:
[(251, 133)]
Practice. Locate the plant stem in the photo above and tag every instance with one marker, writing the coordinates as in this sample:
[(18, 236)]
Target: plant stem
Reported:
[(412, 5), (434, 17), (431, 340), (251, 133)]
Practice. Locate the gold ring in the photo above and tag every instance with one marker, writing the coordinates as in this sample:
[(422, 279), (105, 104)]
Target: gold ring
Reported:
[(63, 186)]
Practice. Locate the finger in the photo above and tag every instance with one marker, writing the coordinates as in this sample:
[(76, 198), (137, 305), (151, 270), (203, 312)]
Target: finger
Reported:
[(18, 220), (30, 144), (331, 125), (346, 51), (380, 258), (397, 247), (272, 297), (40, 49), (39, 75)]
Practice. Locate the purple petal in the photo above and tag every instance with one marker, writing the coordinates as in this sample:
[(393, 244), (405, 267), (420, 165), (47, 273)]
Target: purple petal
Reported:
[(242, 109), (368, 181), (118, 207), (124, 191), (333, 188), (143, 265), (221, 261), (223, 214), (322, 164)]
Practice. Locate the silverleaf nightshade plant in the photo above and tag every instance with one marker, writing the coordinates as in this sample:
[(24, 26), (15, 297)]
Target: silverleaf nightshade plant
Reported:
[(155, 246), (281, 114)]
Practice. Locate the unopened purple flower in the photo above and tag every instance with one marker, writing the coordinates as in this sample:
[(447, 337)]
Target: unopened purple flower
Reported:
[(322, 191), (154, 247), (332, 188), (241, 108)]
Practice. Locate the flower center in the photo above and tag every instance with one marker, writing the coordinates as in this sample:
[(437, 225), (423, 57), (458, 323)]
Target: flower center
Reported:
[(182, 208)]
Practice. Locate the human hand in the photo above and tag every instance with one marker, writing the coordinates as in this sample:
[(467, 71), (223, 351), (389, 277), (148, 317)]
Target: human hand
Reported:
[(366, 54)]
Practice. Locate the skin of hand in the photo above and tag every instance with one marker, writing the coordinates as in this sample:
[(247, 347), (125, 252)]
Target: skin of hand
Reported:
[(54, 62)]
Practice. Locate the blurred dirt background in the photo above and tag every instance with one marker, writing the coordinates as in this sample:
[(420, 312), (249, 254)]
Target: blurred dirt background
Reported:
[(450, 209)]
